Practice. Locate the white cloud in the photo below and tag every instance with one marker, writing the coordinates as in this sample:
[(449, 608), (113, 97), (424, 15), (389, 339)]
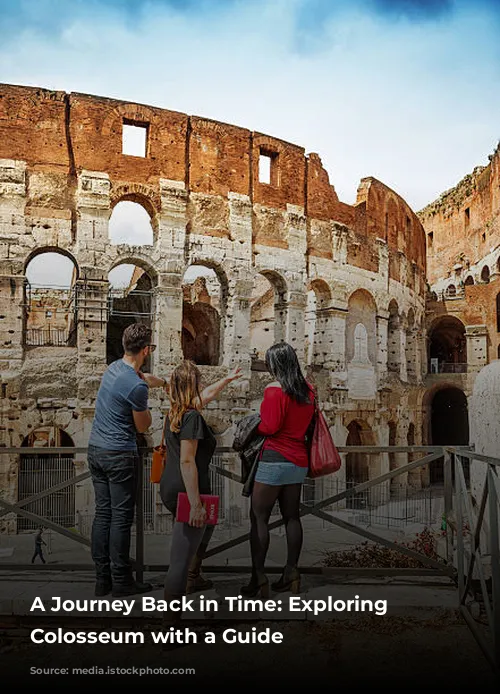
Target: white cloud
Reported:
[(416, 105)]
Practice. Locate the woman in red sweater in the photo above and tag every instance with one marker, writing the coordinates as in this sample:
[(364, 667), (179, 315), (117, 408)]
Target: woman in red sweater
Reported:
[(286, 414)]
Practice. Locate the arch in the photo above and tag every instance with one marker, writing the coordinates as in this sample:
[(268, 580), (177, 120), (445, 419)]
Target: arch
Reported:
[(485, 274), (449, 425), (447, 345), (41, 470), (52, 249), (268, 314), (469, 281), (144, 195), (322, 290), (451, 291), (393, 338), (359, 433), (204, 307), (131, 222), (361, 308), (317, 332), (49, 298), (130, 300), (498, 311)]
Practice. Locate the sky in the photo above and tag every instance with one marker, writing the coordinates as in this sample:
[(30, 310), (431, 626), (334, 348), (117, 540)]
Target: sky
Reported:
[(407, 91)]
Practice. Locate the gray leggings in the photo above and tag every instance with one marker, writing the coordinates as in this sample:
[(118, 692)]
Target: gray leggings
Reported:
[(187, 542)]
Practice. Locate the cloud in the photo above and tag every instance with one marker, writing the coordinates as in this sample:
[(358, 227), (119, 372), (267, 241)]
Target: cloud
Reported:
[(376, 88)]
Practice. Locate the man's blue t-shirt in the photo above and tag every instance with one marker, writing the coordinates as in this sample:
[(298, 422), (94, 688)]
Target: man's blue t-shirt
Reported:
[(121, 392)]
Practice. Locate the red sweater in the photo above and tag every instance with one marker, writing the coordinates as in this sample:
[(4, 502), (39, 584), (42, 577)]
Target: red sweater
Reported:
[(285, 422)]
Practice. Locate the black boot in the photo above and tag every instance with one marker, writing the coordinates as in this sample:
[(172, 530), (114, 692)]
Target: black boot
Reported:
[(289, 581), (258, 586)]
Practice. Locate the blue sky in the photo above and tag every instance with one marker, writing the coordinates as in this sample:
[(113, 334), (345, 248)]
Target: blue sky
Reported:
[(404, 90)]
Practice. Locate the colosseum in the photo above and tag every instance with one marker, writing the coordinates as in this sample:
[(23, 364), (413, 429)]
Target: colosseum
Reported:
[(242, 242)]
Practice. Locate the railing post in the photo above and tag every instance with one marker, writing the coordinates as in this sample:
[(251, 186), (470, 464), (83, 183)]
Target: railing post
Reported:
[(495, 563), (448, 504), (460, 533), (139, 519)]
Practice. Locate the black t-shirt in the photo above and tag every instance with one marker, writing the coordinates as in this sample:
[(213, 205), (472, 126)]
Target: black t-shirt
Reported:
[(193, 426)]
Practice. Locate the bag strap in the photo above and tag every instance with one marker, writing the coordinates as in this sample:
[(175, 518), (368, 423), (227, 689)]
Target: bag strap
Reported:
[(163, 431)]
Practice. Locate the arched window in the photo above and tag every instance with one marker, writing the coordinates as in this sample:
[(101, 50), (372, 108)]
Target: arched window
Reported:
[(318, 345), (203, 314), (469, 281), (50, 306), (362, 309), (130, 224), (498, 312), (267, 315), (130, 301), (485, 274), (451, 291)]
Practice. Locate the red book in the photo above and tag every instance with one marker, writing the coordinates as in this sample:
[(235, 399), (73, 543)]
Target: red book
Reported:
[(209, 501)]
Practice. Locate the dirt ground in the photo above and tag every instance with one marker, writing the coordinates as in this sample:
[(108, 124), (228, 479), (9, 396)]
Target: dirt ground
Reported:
[(393, 652)]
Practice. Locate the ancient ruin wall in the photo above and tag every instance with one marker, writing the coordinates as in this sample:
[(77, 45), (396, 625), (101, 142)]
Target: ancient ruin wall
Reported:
[(463, 225), (62, 171)]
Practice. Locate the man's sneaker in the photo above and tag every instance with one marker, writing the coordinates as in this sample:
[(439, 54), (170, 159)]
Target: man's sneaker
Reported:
[(102, 588), (123, 589)]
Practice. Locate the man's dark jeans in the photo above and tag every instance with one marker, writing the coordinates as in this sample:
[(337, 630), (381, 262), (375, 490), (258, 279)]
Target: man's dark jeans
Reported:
[(114, 475)]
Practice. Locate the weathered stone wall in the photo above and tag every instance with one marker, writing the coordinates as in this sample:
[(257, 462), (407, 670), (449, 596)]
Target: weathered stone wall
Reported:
[(62, 171)]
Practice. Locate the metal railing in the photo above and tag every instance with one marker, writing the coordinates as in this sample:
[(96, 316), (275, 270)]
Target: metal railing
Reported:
[(471, 534), (49, 337)]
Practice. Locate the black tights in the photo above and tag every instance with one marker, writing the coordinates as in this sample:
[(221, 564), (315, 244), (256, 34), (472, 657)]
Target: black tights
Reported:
[(264, 497)]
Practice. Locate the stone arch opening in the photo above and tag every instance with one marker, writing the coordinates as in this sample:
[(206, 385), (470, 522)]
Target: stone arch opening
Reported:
[(359, 433), (498, 312), (449, 426), (447, 346), (393, 339), (39, 471), (131, 222), (203, 315), (451, 291), (485, 274), (130, 300), (268, 315), (49, 299), (318, 343), (362, 309), (469, 281)]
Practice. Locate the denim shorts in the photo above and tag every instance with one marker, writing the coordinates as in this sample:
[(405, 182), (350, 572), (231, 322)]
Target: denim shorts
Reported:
[(277, 474)]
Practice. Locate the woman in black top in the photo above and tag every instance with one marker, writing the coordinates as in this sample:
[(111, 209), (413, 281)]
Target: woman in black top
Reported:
[(190, 446)]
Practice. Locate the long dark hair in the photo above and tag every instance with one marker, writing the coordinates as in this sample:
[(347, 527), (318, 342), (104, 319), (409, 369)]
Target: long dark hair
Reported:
[(283, 365)]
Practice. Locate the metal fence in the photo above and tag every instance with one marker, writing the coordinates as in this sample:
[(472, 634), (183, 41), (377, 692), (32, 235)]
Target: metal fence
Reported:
[(49, 337), (472, 533)]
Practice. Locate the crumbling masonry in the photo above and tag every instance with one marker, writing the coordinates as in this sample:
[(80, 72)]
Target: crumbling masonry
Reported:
[(63, 171)]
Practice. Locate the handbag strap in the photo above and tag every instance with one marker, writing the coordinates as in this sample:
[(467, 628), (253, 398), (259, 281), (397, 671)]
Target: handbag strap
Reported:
[(163, 431)]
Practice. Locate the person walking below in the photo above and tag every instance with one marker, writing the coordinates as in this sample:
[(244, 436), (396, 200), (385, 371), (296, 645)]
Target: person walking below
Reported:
[(38, 546), (190, 446), (121, 412), (286, 414)]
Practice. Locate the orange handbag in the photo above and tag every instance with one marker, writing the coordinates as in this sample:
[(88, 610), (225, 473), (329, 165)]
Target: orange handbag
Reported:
[(159, 458)]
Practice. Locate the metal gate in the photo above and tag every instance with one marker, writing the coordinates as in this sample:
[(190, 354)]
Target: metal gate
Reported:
[(41, 471)]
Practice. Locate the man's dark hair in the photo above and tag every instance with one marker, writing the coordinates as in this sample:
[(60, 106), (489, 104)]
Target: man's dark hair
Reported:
[(136, 337)]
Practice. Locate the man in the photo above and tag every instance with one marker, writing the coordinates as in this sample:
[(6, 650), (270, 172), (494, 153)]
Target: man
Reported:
[(121, 412), (38, 546)]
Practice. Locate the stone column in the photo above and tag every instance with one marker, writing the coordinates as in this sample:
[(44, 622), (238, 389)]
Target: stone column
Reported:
[(93, 211), (403, 372), (167, 322), (295, 326), (477, 346), (335, 342), (382, 336), (12, 252), (237, 329)]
